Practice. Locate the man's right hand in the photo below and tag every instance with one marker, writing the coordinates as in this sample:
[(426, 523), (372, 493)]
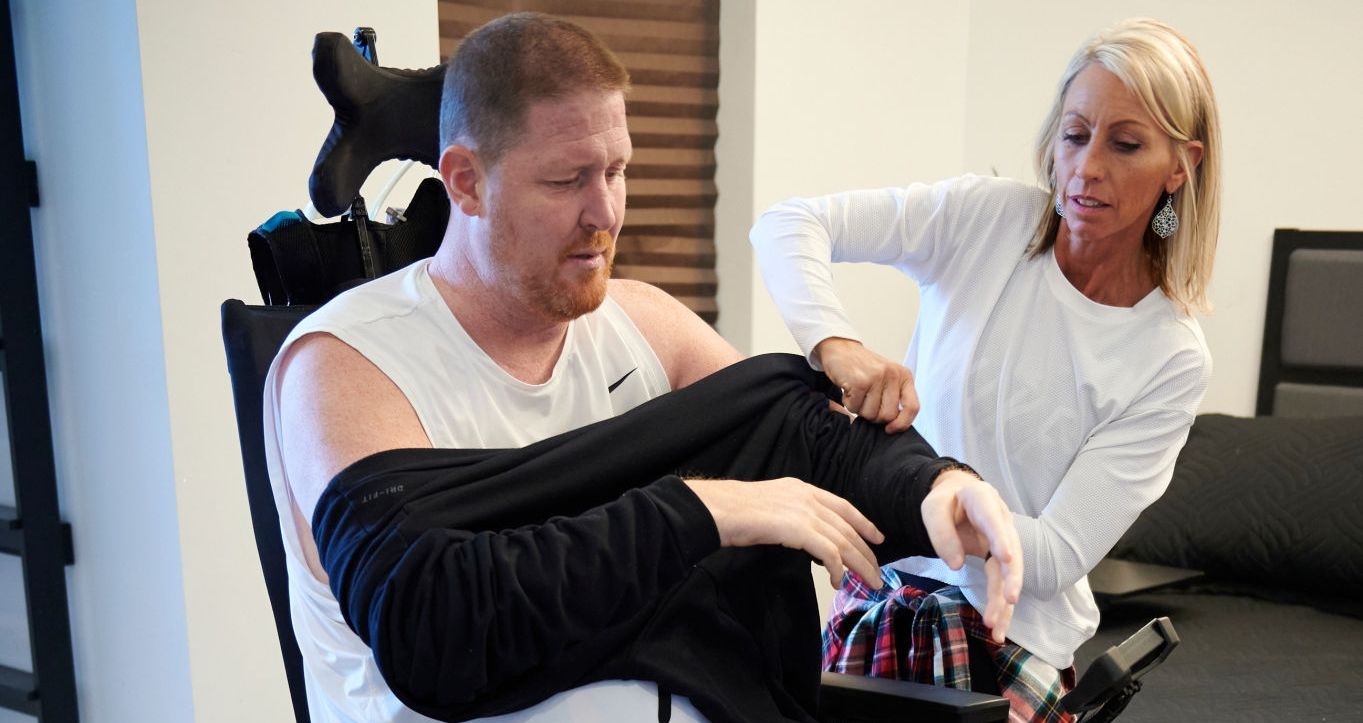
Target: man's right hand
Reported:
[(872, 386), (965, 515), (793, 514)]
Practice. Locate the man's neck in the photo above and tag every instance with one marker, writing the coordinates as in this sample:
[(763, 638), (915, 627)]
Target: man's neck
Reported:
[(524, 344)]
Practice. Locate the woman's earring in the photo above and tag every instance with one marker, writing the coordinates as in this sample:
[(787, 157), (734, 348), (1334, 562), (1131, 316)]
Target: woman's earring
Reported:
[(1059, 205), (1165, 223)]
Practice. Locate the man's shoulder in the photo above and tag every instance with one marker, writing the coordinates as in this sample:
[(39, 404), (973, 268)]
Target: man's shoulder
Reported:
[(652, 310), (392, 295), (685, 345), (631, 291)]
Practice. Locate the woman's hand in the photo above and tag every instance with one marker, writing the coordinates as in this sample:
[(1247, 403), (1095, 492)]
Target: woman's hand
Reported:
[(872, 386), (965, 515)]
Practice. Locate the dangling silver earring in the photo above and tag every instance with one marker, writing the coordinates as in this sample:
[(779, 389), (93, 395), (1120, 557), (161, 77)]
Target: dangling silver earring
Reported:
[(1059, 205), (1165, 223)]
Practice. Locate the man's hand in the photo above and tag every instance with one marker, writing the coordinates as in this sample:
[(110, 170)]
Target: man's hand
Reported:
[(793, 514), (872, 386), (964, 515)]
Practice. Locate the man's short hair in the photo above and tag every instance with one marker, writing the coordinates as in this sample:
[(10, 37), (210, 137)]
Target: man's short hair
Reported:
[(505, 65)]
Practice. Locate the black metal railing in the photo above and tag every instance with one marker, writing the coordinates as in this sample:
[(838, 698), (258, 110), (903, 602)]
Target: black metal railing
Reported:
[(33, 529)]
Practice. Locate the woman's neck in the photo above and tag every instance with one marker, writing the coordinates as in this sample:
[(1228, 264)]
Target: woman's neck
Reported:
[(1112, 273)]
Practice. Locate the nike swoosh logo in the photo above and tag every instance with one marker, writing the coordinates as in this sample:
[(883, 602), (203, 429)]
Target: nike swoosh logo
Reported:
[(621, 380)]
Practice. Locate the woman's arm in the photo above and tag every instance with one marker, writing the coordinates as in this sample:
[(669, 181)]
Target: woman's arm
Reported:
[(798, 240), (1119, 471)]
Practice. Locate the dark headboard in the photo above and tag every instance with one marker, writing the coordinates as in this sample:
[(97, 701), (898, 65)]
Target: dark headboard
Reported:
[(1312, 362)]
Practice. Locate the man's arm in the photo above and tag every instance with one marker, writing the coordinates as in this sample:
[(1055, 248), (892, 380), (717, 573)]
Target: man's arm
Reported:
[(688, 348), (335, 408)]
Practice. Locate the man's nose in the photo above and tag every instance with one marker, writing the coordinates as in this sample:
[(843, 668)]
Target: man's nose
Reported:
[(598, 207)]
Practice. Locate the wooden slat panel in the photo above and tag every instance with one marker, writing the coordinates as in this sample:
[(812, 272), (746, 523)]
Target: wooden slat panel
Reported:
[(664, 244), (630, 43), (645, 109), (644, 156), (458, 19), (696, 105), (637, 172), (654, 187), (694, 231), (676, 10), (683, 289), (675, 95), (670, 216), (699, 303), (681, 200), (668, 274), (629, 258), (673, 126), (672, 132), (669, 63), (671, 70)]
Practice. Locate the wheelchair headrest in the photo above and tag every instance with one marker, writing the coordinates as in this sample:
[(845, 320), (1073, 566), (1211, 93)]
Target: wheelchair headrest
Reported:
[(381, 114)]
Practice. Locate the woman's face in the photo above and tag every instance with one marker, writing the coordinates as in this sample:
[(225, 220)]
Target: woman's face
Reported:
[(1112, 162)]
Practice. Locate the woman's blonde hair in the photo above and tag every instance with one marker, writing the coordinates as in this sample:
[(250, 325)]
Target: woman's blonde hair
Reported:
[(1164, 71)]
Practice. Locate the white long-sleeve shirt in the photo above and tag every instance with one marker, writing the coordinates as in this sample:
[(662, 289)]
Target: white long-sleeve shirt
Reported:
[(1074, 410)]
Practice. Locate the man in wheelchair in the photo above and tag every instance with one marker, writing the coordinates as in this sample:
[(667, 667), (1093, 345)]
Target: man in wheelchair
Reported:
[(490, 507)]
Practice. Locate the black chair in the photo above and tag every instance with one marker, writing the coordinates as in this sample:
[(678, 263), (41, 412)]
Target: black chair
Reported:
[(252, 336), (1312, 361)]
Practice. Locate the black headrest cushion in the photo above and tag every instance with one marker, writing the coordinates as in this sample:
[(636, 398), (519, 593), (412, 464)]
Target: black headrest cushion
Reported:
[(381, 114)]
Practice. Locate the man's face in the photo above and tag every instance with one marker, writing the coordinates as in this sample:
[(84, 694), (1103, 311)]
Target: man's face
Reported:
[(556, 203)]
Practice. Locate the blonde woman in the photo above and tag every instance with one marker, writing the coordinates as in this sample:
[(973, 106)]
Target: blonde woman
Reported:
[(1054, 350)]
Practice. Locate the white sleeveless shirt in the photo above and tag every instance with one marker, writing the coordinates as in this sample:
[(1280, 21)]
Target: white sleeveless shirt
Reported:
[(463, 399)]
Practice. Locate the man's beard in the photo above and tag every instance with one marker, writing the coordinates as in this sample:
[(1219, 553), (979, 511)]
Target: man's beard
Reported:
[(547, 293)]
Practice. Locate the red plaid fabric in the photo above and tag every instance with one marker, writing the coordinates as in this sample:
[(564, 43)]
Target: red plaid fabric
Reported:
[(897, 631)]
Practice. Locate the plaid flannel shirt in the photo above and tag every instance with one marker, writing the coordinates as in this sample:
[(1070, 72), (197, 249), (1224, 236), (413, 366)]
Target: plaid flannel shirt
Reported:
[(898, 631)]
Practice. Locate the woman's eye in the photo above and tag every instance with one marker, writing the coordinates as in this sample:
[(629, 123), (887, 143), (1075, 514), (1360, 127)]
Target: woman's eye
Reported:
[(1073, 137), (1127, 147)]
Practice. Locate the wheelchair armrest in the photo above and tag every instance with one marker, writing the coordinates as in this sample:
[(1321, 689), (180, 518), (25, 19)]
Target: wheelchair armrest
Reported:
[(1116, 672), (854, 699)]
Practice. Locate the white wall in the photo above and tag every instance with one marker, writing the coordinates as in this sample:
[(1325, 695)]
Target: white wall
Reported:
[(164, 131), (81, 95), (869, 95)]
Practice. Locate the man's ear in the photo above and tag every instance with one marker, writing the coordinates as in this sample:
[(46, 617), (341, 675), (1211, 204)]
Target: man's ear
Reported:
[(463, 174)]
